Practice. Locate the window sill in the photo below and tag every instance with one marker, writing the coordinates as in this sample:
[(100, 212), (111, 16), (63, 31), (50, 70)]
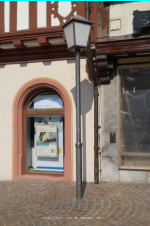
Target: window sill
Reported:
[(134, 168), (53, 174), (35, 177)]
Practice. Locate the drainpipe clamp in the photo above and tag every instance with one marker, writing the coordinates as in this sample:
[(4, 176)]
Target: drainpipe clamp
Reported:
[(78, 144)]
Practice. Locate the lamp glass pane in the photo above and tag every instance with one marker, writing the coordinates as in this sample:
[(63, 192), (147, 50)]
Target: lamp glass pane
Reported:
[(68, 30), (81, 34)]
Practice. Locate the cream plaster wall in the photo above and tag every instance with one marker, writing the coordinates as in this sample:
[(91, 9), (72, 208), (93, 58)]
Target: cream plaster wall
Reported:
[(124, 12), (13, 76), (7, 16), (22, 15)]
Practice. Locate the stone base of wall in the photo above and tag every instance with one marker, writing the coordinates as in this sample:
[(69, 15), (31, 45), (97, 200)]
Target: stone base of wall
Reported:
[(109, 151)]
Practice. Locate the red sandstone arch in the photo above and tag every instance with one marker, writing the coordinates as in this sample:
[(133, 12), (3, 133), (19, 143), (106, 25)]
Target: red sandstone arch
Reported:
[(18, 129)]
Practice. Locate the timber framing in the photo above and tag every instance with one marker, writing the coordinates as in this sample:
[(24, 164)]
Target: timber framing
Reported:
[(36, 53), (20, 52), (50, 31), (102, 69), (123, 46), (31, 34), (109, 49)]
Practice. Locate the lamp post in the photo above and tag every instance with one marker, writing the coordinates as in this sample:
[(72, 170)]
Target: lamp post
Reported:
[(77, 32)]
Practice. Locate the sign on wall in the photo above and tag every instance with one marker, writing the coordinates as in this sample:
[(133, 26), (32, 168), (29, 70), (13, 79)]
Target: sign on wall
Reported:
[(46, 140)]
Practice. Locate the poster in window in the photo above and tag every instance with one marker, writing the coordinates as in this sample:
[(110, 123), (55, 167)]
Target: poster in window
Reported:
[(46, 140)]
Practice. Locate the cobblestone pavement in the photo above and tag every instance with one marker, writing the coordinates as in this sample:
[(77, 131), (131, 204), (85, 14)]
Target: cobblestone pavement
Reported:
[(54, 203)]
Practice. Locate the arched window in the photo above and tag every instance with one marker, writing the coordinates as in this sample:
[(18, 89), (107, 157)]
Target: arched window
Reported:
[(23, 130), (44, 133)]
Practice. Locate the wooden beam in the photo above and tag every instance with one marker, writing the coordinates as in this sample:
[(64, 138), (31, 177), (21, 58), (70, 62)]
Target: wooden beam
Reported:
[(136, 154), (42, 40), (13, 16), (1, 16), (54, 111), (113, 47), (134, 60), (18, 44), (32, 15)]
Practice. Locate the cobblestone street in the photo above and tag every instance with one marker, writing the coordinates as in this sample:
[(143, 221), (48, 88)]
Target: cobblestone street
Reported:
[(54, 203)]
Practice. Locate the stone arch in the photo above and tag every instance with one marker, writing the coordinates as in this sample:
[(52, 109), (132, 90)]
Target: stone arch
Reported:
[(18, 129)]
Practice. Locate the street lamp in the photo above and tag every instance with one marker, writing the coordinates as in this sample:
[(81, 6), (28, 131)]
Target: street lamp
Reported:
[(77, 32)]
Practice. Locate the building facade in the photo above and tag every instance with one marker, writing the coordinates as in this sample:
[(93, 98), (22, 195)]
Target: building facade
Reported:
[(122, 53), (38, 93)]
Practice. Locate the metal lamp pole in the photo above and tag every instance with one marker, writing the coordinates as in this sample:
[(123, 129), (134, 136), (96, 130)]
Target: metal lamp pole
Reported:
[(77, 31), (78, 130)]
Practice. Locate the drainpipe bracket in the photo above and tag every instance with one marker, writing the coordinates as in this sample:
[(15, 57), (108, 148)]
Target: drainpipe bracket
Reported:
[(97, 127), (96, 93), (78, 144)]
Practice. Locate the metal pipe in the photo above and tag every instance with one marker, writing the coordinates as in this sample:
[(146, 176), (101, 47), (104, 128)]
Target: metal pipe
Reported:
[(78, 130), (87, 16), (94, 59), (96, 148), (87, 10)]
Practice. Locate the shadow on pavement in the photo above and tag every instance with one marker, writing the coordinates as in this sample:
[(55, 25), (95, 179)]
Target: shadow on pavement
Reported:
[(83, 188)]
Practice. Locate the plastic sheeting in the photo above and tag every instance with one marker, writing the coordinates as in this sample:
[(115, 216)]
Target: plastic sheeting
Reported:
[(135, 117)]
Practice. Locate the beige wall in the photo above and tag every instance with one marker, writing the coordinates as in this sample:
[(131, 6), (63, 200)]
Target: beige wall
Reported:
[(124, 13), (13, 76)]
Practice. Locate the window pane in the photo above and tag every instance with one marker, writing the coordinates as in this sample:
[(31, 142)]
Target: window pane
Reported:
[(82, 32), (46, 100), (135, 117), (69, 34), (44, 143)]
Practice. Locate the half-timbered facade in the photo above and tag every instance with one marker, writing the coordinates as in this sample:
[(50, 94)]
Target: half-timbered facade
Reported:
[(37, 87), (37, 74)]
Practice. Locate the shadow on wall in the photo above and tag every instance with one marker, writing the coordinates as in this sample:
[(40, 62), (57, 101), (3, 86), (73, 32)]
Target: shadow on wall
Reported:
[(47, 63), (86, 105), (113, 74), (25, 64), (2, 65)]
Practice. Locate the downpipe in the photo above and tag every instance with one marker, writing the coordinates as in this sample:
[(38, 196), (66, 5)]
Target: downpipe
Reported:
[(96, 148)]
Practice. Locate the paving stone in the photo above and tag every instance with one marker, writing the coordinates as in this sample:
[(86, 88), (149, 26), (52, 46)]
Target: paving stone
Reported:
[(54, 203)]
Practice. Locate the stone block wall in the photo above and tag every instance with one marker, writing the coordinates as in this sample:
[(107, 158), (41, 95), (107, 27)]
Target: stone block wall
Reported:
[(109, 151)]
